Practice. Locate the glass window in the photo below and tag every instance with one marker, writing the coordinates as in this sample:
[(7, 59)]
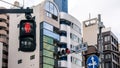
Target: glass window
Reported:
[(48, 47), (55, 30), (47, 6), (71, 58), (32, 57), (65, 22), (107, 38), (48, 39), (48, 60), (55, 11), (47, 66), (48, 14), (107, 56), (107, 65), (48, 53), (76, 28), (107, 47), (47, 26), (51, 34), (74, 38), (63, 45), (63, 33), (19, 61), (51, 10), (76, 61)]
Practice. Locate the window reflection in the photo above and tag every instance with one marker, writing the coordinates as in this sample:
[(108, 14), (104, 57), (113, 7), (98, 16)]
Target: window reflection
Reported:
[(107, 56), (47, 66), (51, 10), (48, 47), (48, 53), (75, 27), (51, 34), (48, 39), (47, 26), (75, 38), (48, 60), (76, 61)]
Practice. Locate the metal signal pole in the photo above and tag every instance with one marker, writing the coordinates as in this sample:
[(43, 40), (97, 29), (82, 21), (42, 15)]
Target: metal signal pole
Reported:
[(100, 41)]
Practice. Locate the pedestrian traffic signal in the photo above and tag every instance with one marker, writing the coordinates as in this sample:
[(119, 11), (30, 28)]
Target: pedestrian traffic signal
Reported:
[(27, 37)]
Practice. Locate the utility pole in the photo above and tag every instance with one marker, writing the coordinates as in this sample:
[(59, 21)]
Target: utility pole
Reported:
[(100, 42)]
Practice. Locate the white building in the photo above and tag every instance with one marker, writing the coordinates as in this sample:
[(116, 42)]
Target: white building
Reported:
[(70, 34)]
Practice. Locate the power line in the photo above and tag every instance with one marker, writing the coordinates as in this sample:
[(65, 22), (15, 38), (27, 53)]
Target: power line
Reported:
[(10, 3)]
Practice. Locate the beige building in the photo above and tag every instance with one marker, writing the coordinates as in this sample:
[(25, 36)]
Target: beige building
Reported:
[(4, 31), (110, 42), (90, 30), (43, 16)]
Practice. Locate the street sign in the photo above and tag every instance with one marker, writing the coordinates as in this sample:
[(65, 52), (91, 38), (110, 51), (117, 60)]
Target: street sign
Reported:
[(84, 47), (92, 61), (80, 48)]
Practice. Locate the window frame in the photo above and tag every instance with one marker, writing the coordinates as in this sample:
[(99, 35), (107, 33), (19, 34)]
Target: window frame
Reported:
[(51, 10)]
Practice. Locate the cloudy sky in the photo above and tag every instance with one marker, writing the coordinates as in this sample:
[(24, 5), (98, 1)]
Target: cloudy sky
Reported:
[(80, 9)]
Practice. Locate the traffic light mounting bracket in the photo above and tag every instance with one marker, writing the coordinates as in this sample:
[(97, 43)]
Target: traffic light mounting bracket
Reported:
[(27, 12)]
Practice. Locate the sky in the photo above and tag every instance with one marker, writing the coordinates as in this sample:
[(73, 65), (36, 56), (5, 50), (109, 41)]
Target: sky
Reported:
[(80, 9)]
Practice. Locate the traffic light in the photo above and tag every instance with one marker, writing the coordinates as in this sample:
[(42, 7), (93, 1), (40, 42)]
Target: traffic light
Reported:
[(64, 52), (67, 51), (27, 37)]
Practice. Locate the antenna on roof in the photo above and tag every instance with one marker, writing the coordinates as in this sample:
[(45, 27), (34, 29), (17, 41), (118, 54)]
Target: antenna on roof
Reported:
[(89, 18), (23, 3)]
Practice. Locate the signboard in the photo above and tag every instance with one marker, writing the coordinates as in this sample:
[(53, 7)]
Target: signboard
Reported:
[(92, 61), (81, 47)]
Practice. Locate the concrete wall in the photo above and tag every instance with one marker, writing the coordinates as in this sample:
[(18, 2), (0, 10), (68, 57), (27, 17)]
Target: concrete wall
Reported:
[(1, 49), (90, 32)]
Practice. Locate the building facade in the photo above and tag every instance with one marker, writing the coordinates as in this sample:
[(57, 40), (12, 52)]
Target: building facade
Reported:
[(62, 5), (70, 36), (88, 36), (47, 26), (110, 42), (4, 31), (54, 29)]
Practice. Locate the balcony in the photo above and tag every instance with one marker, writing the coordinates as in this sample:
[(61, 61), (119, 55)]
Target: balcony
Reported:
[(3, 32), (63, 39), (3, 24), (4, 16)]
